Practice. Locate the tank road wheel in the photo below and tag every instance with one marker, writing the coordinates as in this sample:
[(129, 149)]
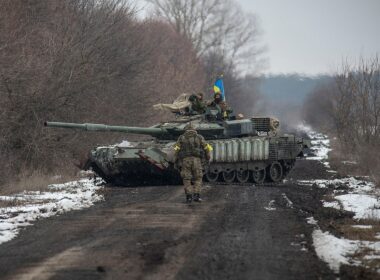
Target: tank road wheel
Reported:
[(275, 172), (229, 176), (258, 176), (212, 177), (242, 176)]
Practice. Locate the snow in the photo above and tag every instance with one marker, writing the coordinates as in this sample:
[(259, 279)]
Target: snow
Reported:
[(270, 206), (289, 203), (311, 221), (363, 226), (333, 250), (124, 144), (364, 206), (331, 204), (58, 199), (320, 143), (321, 149), (349, 162), (354, 185), (360, 199), (336, 251)]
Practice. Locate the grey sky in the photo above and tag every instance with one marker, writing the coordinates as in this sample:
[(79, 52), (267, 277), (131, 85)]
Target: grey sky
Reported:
[(313, 36)]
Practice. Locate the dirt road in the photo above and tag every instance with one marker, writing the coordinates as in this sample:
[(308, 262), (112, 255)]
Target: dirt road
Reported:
[(238, 232)]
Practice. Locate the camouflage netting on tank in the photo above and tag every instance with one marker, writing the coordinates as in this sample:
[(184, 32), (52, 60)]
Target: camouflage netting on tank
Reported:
[(179, 104)]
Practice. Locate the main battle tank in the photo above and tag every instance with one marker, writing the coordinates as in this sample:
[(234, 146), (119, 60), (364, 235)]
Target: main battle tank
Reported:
[(244, 150)]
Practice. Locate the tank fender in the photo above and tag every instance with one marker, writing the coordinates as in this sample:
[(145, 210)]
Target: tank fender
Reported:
[(153, 158)]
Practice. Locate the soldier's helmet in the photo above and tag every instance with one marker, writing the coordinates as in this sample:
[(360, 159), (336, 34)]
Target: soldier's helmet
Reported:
[(189, 126)]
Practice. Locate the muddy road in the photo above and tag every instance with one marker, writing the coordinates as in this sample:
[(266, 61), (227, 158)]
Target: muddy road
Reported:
[(237, 232)]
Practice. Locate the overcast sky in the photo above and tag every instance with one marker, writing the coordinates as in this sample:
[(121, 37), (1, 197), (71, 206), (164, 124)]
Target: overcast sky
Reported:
[(313, 36)]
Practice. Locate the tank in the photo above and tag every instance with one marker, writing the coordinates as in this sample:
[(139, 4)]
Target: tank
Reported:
[(244, 151)]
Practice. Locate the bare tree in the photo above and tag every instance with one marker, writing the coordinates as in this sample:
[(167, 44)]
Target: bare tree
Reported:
[(357, 102), (352, 105), (212, 25), (82, 61)]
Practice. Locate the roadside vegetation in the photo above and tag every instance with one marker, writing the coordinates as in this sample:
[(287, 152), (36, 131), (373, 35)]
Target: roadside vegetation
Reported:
[(348, 109), (96, 61)]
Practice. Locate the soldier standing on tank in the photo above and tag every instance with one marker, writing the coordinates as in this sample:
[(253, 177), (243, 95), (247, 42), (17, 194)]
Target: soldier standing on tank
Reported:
[(197, 104), (190, 149)]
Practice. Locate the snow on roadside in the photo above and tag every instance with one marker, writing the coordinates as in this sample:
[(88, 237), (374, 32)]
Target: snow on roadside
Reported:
[(353, 184), (35, 205), (333, 250), (364, 206), (360, 196), (271, 206), (337, 251), (320, 144), (350, 194)]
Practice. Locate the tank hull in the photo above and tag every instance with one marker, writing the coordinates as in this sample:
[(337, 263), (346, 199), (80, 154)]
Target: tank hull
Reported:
[(256, 159)]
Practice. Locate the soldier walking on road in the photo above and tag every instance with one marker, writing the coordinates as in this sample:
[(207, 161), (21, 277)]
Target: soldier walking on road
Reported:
[(190, 149)]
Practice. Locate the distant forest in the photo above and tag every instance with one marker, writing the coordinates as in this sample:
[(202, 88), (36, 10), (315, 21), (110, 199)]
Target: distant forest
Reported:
[(283, 96)]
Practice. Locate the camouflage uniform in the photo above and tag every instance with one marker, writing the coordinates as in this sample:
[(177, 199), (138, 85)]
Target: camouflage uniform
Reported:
[(197, 105), (190, 149)]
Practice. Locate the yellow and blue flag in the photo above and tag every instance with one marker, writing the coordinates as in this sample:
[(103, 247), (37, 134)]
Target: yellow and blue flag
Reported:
[(219, 87)]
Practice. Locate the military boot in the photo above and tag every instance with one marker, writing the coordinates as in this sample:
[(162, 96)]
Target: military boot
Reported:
[(189, 198), (197, 197)]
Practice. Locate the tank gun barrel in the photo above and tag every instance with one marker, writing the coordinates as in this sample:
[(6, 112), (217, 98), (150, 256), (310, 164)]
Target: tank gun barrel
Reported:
[(154, 131)]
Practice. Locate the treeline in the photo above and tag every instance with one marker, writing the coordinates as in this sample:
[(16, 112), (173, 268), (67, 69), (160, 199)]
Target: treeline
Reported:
[(349, 108), (90, 61)]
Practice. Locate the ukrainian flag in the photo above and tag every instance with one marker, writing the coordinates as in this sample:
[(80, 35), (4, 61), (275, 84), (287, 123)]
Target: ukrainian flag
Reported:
[(219, 87)]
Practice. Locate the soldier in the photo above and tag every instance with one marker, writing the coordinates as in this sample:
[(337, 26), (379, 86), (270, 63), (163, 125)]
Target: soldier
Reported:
[(190, 149), (197, 104), (217, 99), (224, 111)]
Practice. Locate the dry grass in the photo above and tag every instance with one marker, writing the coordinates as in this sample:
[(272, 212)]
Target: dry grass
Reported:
[(338, 156), (363, 234), (368, 161), (360, 254), (368, 234), (371, 264), (11, 203), (18, 203), (354, 233)]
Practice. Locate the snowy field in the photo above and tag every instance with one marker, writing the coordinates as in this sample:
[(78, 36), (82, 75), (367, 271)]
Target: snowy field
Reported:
[(31, 206), (351, 194)]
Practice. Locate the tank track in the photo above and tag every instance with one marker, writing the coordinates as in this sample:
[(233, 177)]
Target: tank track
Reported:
[(173, 178), (248, 184)]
